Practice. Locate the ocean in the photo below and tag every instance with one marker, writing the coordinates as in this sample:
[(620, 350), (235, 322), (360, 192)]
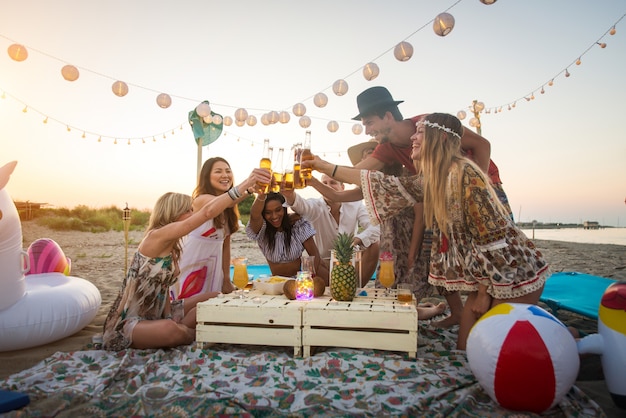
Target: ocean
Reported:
[(615, 236)]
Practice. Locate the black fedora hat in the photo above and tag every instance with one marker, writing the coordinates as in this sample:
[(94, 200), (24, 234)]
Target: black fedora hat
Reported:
[(373, 99)]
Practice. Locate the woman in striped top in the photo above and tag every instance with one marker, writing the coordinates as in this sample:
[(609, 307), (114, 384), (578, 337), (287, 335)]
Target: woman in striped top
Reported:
[(282, 237)]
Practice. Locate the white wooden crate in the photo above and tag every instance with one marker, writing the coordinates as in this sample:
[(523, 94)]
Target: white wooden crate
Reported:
[(372, 321), (257, 320)]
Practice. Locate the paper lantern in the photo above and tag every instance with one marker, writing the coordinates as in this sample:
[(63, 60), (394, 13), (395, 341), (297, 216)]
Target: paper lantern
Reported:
[(120, 88), (241, 114), (265, 119), (523, 357), (357, 129), (164, 100), (283, 117), (273, 116), (370, 71), (208, 119), (203, 109), (17, 52), (443, 24), (487, 2), (240, 123), (305, 121), (403, 51), (332, 126), (299, 109), (340, 87), (461, 114), (70, 73), (228, 120), (320, 100), (251, 121), (217, 119)]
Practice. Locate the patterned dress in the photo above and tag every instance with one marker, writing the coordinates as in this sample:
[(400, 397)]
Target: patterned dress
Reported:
[(143, 296), (481, 245)]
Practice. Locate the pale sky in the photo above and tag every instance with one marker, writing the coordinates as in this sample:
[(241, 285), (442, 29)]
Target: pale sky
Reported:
[(562, 155)]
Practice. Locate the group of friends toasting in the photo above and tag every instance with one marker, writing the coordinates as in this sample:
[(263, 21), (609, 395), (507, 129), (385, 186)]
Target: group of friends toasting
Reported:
[(427, 193)]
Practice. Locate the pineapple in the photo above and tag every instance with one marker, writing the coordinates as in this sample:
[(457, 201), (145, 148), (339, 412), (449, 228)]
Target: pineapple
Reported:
[(343, 280)]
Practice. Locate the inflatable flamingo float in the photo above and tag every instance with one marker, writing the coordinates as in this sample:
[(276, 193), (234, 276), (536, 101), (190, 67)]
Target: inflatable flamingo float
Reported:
[(47, 304)]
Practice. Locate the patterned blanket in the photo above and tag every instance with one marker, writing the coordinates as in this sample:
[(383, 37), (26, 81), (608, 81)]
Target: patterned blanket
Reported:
[(234, 380)]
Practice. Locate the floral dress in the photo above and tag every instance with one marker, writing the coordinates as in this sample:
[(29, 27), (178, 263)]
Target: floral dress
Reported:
[(143, 296), (481, 245)]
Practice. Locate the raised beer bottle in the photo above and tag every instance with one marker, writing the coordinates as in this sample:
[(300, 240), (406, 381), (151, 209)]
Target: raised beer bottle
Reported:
[(277, 172), (297, 176), (306, 155), (266, 161)]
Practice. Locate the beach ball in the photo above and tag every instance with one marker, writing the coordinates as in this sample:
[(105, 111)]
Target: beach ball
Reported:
[(523, 357), (46, 256)]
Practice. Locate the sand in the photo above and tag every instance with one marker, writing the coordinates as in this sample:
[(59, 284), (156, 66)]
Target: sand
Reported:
[(99, 258)]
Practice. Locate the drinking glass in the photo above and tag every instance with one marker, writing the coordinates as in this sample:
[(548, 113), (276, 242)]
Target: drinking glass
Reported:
[(308, 264), (240, 274), (386, 276)]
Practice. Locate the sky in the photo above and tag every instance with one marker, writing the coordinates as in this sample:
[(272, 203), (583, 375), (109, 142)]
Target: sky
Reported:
[(561, 155)]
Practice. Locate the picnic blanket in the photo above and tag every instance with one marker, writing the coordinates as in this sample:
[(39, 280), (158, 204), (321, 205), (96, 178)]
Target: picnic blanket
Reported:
[(269, 381)]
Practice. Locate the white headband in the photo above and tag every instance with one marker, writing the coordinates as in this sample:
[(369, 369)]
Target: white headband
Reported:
[(441, 127)]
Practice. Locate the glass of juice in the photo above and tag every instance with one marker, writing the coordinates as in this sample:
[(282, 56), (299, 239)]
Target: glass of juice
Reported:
[(240, 274), (386, 275)]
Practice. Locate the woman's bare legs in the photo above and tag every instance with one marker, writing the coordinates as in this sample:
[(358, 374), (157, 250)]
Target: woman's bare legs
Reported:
[(456, 311)]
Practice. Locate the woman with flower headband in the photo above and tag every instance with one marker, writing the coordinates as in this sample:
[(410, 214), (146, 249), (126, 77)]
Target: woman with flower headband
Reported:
[(476, 246)]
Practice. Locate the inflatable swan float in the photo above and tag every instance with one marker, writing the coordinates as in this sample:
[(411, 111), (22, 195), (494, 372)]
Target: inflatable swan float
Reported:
[(44, 306)]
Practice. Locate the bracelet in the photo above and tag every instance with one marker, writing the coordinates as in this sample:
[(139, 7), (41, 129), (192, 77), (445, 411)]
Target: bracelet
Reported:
[(334, 171), (248, 191), (234, 194)]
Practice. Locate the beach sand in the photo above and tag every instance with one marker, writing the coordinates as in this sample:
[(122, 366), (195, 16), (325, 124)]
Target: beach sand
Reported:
[(99, 258)]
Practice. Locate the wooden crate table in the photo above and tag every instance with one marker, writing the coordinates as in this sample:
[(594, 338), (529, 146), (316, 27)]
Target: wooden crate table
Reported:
[(258, 320), (371, 321)]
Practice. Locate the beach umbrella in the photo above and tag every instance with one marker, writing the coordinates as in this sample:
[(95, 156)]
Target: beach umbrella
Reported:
[(206, 129)]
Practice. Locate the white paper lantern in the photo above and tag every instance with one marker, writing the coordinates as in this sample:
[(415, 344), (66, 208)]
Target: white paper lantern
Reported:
[(217, 119), (251, 121), (17, 52), (299, 109), (443, 24), (283, 117), (320, 100), (403, 51), (305, 121), (273, 116), (370, 71), (332, 126), (241, 115), (70, 73), (240, 123), (164, 100), (203, 110), (120, 88), (208, 119), (228, 120), (265, 119), (357, 129), (340, 87), (461, 114)]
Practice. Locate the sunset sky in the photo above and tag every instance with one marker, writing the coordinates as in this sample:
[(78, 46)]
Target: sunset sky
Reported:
[(562, 155)]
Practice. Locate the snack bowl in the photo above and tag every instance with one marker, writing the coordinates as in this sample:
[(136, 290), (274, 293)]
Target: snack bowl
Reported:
[(270, 285)]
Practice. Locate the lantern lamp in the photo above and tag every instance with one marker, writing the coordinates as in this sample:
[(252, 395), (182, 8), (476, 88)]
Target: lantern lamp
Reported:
[(340, 87), (332, 126), (228, 120), (461, 114), (320, 100), (403, 51), (120, 88), (305, 121), (265, 119), (299, 109), (240, 123), (251, 121), (612, 31), (241, 114), (164, 100), (273, 117), (443, 24), (203, 109), (208, 119), (283, 117), (357, 129), (370, 71), (488, 2), (70, 73), (217, 119), (17, 52)]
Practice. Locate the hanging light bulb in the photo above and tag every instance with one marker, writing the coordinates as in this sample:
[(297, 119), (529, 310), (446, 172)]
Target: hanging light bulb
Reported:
[(461, 114), (68, 128), (45, 120), (83, 135), (403, 51), (487, 2), (115, 142), (305, 121), (514, 103), (120, 89), (542, 90), (357, 129), (340, 87), (25, 109), (578, 61), (602, 45), (612, 31), (320, 100), (332, 126), (299, 109), (70, 73), (99, 139), (443, 24), (128, 141), (17, 52), (566, 73), (370, 71), (551, 83), (164, 100)]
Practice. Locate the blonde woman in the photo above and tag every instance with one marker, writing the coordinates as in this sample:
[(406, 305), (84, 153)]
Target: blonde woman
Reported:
[(140, 316)]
